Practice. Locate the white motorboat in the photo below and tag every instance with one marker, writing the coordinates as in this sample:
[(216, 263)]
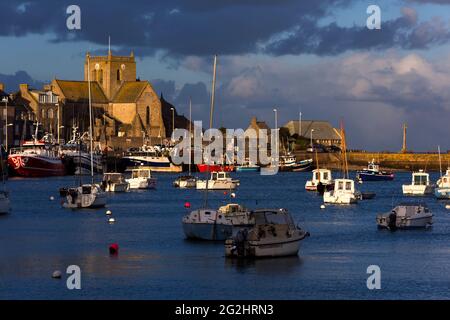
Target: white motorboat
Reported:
[(185, 182), (442, 190), (141, 179), (209, 224), (85, 196), (406, 216), (344, 193), (273, 235), (150, 156), (115, 182), (219, 181), (420, 184), (319, 176)]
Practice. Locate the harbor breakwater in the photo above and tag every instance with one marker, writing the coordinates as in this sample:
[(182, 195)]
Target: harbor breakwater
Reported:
[(392, 161)]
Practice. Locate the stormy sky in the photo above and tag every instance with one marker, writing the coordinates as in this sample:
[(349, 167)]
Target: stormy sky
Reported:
[(316, 57)]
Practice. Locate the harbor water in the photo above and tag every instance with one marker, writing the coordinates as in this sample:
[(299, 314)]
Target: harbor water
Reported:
[(155, 261)]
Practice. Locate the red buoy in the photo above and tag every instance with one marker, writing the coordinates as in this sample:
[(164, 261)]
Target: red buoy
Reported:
[(187, 205), (224, 193), (114, 249)]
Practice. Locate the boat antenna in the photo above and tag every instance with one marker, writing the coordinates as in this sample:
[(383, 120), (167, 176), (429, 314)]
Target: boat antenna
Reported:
[(90, 122), (211, 120)]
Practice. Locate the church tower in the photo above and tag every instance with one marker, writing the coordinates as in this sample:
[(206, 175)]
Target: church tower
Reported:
[(110, 71)]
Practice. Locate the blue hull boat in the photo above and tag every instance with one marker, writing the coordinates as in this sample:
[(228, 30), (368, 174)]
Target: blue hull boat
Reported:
[(373, 176), (247, 169)]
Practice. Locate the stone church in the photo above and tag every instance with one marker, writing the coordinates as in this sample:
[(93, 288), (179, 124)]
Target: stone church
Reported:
[(126, 110)]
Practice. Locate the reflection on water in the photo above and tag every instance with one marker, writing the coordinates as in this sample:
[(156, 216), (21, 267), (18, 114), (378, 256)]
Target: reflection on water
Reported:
[(155, 261)]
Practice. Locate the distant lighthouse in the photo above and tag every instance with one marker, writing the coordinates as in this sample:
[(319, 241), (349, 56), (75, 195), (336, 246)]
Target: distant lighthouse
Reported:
[(404, 148)]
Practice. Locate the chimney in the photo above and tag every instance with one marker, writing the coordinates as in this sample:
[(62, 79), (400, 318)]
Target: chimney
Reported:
[(253, 121), (2, 86)]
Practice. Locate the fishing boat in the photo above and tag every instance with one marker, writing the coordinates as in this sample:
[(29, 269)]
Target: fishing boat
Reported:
[(87, 195), (442, 190), (344, 193), (36, 158), (141, 178), (185, 182), (220, 180), (373, 173), (274, 234), (149, 156), (321, 181), (406, 216), (248, 166), (203, 167), (80, 156), (114, 182), (303, 165), (420, 184), (216, 225)]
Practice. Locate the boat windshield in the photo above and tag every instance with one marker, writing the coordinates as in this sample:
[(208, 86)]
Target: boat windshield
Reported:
[(140, 174), (420, 180)]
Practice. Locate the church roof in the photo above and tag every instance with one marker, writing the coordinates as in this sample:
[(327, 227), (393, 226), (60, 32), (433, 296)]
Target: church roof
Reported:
[(323, 130), (130, 91), (78, 91)]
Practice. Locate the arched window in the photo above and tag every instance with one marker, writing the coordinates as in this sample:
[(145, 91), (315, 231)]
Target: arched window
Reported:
[(100, 76), (118, 75), (147, 116)]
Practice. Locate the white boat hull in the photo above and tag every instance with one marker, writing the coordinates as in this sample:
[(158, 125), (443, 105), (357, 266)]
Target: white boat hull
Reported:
[(417, 190), (142, 183), (339, 198), (216, 185), (91, 200), (117, 187)]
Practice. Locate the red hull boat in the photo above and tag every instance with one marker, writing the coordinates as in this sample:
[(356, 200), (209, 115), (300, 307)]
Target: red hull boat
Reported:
[(214, 168), (35, 159)]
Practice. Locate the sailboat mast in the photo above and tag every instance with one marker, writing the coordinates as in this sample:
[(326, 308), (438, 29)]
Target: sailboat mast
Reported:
[(190, 134), (213, 89), (90, 123), (440, 161)]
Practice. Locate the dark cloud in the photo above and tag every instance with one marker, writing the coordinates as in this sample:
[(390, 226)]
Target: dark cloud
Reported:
[(164, 87), (12, 81), (404, 32)]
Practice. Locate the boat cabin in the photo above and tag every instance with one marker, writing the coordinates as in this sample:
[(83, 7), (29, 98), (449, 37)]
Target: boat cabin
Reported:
[(323, 175), (232, 208), (140, 173), (220, 175), (420, 178), (114, 177), (372, 166), (410, 209), (273, 216), (344, 185)]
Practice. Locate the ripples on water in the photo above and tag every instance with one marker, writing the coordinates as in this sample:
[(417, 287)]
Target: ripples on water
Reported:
[(156, 262)]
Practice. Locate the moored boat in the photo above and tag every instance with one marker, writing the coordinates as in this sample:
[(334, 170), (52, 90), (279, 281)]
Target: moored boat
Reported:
[(88, 195), (373, 173), (344, 193), (442, 190), (406, 216), (219, 181), (141, 178), (36, 158), (185, 182), (321, 181), (214, 168), (274, 234), (150, 157), (420, 184)]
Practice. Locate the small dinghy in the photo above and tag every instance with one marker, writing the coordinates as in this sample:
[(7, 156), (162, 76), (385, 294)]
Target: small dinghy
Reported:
[(406, 216), (273, 235)]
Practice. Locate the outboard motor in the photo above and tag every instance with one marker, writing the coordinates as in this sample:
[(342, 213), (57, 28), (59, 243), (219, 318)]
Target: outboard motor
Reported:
[(392, 223)]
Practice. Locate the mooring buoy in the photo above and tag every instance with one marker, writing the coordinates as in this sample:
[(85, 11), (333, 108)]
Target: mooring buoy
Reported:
[(56, 274)]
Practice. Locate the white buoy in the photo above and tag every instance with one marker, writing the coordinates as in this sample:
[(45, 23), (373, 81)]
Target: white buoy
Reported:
[(233, 195), (56, 274), (447, 206), (111, 220), (322, 206), (108, 213), (52, 198)]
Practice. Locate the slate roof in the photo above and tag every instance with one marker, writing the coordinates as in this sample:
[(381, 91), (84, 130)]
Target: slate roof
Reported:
[(323, 130), (78, 91), (130, 91)]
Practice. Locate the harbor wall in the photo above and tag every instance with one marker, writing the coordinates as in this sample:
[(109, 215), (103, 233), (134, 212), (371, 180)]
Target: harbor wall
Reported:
[(392, 161)]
